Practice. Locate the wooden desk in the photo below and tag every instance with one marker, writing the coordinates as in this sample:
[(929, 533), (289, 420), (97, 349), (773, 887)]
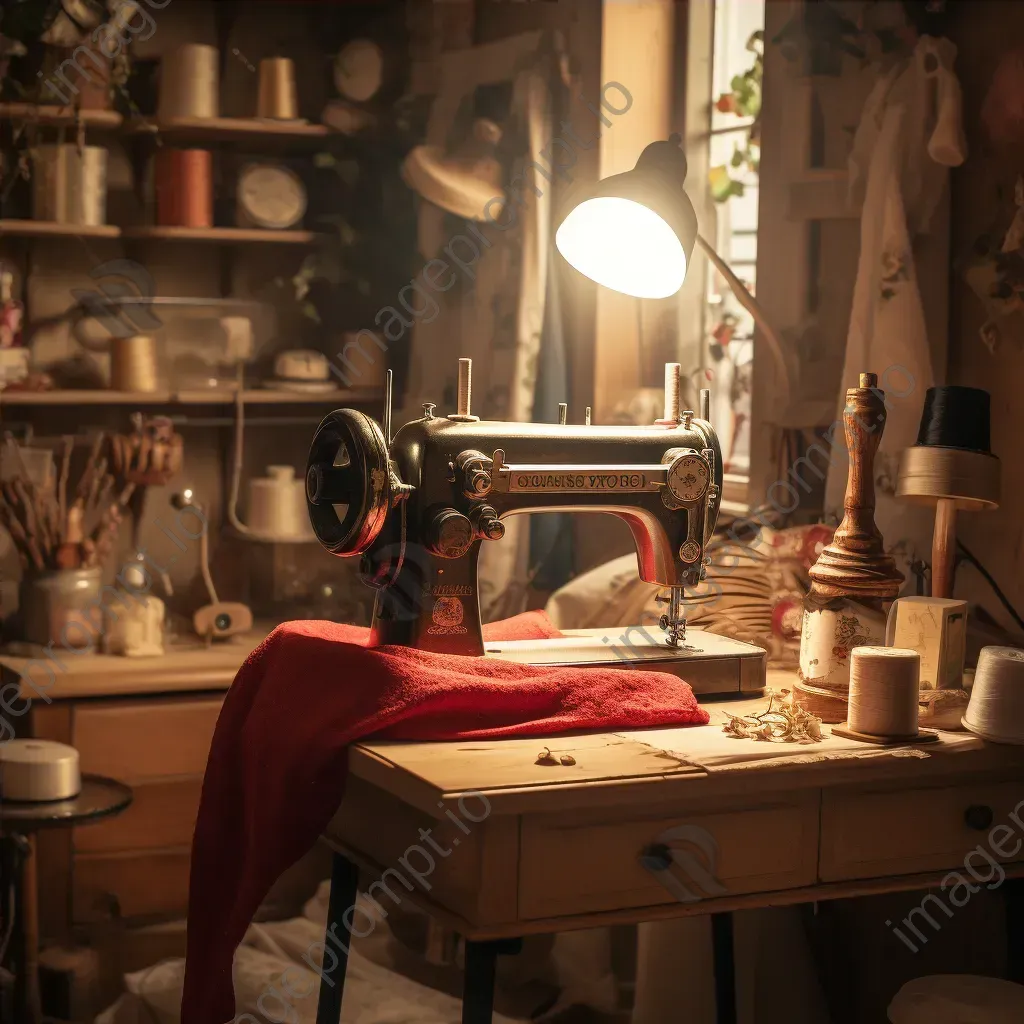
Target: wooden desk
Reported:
[(496, 846)]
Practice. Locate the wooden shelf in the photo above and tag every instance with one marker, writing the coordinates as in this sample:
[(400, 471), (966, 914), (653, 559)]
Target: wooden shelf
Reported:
[(221, 235), (231, 129), (216, 236), (176, 129), (60, 117), (214, 396), (50, 229)]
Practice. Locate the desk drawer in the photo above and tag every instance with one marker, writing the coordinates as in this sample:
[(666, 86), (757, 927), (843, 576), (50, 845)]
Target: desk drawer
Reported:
[(130, 885), (869, 834), (134, 740), (568, 868)]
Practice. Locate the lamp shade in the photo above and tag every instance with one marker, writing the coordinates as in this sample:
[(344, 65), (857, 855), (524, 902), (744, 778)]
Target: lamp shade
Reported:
[(467, 181), (634, 232)]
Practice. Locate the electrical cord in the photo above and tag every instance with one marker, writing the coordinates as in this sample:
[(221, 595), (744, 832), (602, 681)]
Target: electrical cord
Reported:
[(968, 557)]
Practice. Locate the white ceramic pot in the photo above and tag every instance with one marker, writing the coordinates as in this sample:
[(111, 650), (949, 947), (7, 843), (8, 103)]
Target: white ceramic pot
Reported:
[(828, 637)]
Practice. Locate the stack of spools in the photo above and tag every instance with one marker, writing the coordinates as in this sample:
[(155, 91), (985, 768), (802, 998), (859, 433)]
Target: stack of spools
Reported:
[(189, 90)]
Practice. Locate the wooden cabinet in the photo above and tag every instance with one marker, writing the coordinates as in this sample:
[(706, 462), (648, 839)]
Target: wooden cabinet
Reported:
[(133, 867)]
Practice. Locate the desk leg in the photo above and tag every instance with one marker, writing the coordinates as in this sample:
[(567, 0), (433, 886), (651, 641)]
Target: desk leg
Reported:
[(1014, 895), (478, 987), (344, 883), (725, 968)]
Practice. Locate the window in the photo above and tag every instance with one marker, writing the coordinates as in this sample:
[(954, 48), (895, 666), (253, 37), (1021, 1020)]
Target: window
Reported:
[(733, 183)]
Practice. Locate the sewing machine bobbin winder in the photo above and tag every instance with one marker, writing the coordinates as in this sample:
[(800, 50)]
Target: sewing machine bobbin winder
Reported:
[(416, 507)]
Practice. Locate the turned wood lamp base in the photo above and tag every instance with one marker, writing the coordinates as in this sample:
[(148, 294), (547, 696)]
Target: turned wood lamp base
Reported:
[(855, 564)]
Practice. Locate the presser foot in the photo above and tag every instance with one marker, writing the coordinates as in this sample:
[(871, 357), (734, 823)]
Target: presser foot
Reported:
[(675, 631), (673, 622)]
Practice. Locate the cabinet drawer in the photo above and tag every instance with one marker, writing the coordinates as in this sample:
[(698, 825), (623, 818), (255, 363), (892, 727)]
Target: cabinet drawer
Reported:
[(868, 834), (568, 868), (137, 740), (151, 884), (161, 814)]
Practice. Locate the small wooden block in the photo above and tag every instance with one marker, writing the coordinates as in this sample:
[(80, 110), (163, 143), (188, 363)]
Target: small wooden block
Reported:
[(923, 736)]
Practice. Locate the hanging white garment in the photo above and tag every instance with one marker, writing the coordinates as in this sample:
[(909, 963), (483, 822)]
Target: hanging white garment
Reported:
[(910, 134)]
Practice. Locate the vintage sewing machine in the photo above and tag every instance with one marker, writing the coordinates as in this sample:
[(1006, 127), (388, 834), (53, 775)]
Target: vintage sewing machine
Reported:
[(416, 508)]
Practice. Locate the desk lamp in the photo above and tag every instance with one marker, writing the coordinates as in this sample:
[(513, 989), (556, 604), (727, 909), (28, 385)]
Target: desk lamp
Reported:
[(634, 233)]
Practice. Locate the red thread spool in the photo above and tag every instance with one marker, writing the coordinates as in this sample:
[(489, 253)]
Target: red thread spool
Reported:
[(184, 188)]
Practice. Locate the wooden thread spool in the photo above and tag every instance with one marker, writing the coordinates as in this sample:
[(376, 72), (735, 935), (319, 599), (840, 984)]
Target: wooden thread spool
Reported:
[(184, 188), (190, 82), (996, 710), (277, 97), (133, 363), (884, 685)]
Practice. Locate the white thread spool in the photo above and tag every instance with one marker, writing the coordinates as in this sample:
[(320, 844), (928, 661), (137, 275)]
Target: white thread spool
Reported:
[(884, 683), (277, 505), (996, 710), (36, 770)]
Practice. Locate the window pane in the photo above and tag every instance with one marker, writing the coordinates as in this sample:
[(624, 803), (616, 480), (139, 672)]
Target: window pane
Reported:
[(742, 249), (730, 328)]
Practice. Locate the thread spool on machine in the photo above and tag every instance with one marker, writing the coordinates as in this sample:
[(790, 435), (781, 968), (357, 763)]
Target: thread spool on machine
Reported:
[(952, 468)]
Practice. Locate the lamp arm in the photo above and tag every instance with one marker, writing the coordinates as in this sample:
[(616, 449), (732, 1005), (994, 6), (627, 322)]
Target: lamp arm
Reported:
[(749, 303)]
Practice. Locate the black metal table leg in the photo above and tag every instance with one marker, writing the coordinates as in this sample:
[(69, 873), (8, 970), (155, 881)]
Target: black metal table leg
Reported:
[(478, 987), (344, 885), (1014, 896), (725, 968)]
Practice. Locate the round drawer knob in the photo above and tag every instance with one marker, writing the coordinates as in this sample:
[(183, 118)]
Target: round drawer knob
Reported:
[(978, 817), (656, 857)]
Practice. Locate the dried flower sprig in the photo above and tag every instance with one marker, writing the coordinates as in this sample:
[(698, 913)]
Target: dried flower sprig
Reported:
[(782, 722)]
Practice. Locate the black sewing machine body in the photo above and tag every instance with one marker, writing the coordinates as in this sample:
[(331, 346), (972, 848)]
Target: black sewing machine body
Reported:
[(417, 509), (613, 470)]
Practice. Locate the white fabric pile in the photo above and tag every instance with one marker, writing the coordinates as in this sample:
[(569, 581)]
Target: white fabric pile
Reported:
[(275, 984)]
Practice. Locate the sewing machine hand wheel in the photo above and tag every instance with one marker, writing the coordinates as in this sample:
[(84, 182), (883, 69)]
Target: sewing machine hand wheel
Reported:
[(348, 482)]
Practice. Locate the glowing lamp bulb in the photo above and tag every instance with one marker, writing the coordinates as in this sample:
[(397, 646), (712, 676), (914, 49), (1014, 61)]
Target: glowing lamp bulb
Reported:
[(623, 245)]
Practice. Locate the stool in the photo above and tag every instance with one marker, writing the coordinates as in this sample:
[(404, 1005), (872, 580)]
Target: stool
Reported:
[(958, 999), (19, 821)]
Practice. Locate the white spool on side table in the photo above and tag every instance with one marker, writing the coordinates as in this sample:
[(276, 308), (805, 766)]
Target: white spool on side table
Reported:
[(36, 771)]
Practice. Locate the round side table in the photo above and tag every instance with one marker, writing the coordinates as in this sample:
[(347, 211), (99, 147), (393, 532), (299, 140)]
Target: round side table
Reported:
[(19, 821)]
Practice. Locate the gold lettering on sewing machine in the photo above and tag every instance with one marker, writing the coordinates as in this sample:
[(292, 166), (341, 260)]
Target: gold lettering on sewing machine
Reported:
[(554, 482), (451, 590)]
